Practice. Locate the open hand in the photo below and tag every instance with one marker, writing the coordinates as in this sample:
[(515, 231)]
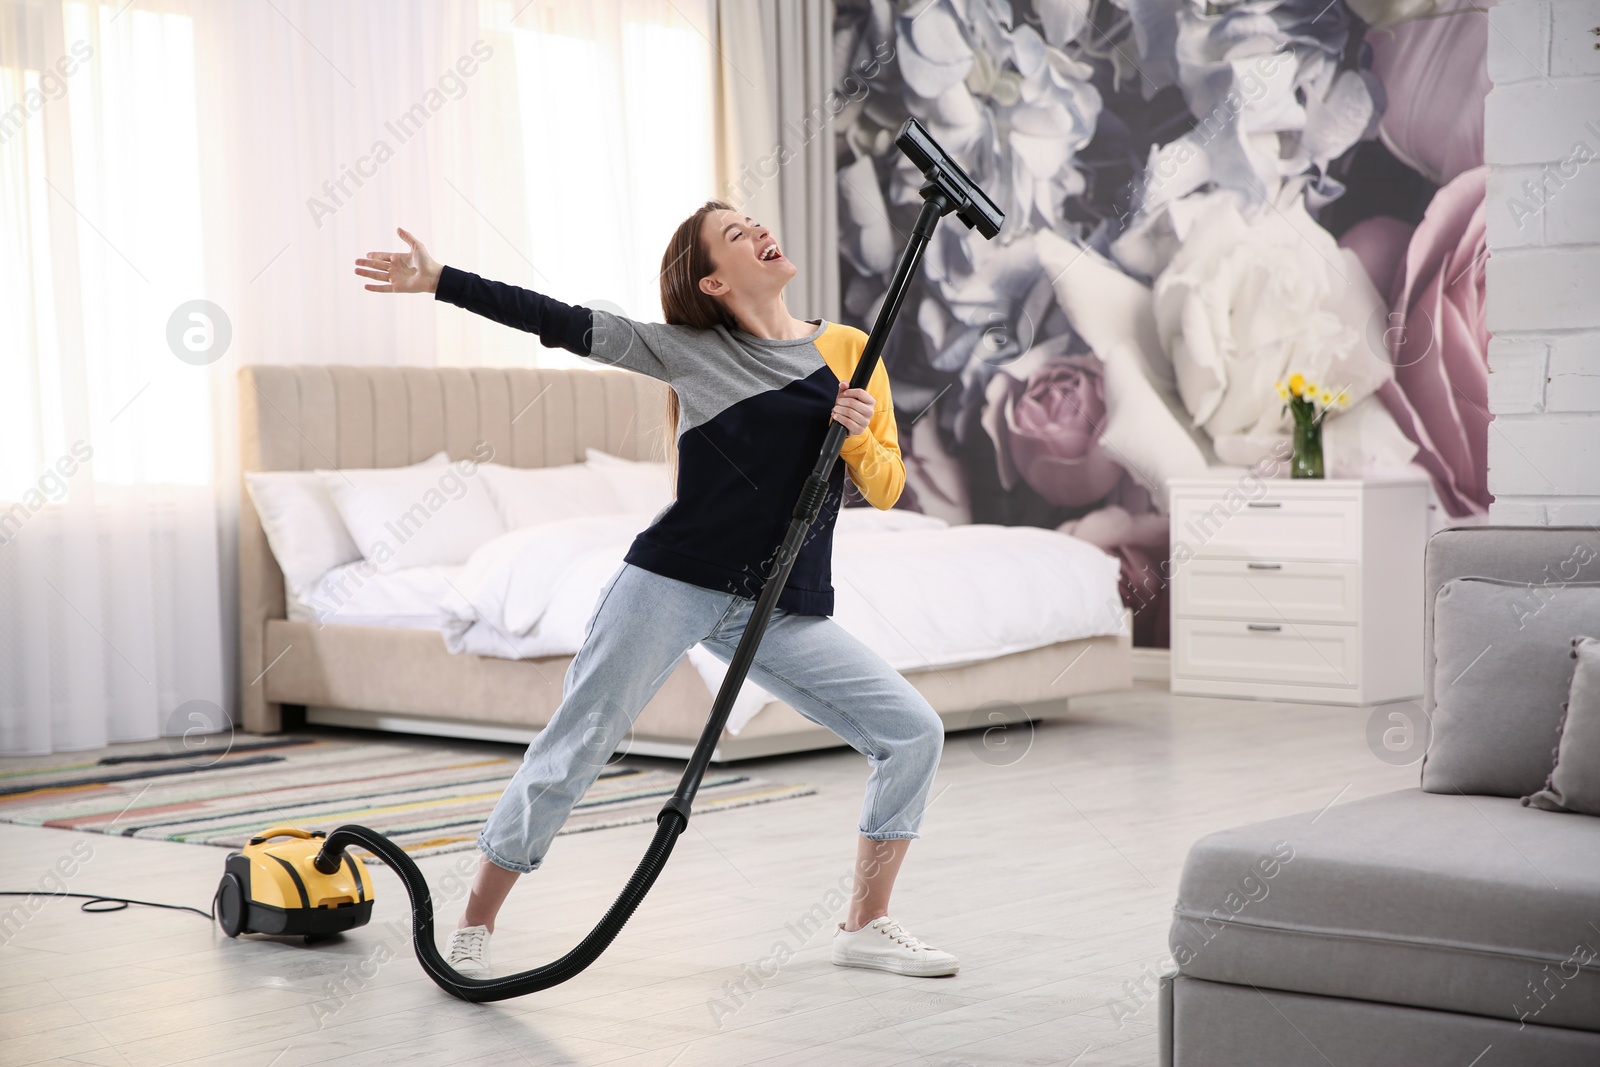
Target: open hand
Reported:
[(853, 408), (413, 271)]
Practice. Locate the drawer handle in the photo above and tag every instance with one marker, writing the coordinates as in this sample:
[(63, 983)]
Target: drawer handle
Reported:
[(1265, 504), (1265, 566), (1269, 628)]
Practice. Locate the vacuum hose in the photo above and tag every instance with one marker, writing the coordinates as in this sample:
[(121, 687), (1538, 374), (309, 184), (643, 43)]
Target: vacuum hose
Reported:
[(668, 826), (947, 189)]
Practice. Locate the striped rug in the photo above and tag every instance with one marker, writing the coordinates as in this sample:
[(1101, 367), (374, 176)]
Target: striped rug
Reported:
[(428, 799)]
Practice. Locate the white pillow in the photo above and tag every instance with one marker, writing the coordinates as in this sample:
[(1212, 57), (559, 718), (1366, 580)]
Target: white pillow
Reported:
[(304, 529), (638, 485), (531, 496), (415, 516)]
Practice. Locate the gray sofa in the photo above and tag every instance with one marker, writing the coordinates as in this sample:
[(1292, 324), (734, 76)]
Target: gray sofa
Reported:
[(1408, 929)]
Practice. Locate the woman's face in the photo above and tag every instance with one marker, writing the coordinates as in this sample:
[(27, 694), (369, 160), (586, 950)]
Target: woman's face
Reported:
[(745, 258)]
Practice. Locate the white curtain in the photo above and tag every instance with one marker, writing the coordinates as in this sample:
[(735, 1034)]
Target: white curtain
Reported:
[(162, 153), (776, 104), (109, 566)]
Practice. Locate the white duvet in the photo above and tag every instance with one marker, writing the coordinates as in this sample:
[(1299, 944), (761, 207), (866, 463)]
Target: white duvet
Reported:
[(917, 591)]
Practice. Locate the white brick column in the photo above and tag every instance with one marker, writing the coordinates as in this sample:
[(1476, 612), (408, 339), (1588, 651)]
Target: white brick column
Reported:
[(1542, 141)]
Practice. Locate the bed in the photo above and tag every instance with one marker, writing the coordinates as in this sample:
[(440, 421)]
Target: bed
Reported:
[(983, 653)]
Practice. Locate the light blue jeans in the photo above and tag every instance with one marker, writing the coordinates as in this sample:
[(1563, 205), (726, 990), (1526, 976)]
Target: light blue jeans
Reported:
[(641, 627)]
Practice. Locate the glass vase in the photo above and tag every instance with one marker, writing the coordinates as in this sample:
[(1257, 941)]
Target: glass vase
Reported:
[(1307, 461)]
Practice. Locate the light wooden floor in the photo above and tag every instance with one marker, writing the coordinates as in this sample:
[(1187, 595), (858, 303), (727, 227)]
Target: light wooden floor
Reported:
[(1048, 866)]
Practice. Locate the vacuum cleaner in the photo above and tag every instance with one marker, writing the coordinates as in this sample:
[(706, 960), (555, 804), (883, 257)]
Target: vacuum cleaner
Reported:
[(290, 881), (273, 886)]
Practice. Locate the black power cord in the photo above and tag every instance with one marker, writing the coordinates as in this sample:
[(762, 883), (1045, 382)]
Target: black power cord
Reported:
[(120, 902)]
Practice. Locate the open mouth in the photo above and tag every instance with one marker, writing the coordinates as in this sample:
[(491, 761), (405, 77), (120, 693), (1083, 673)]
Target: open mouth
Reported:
[(771, 254)]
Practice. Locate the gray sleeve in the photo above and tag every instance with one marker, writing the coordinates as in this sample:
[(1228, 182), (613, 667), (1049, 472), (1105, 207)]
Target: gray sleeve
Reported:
[(651, 348)]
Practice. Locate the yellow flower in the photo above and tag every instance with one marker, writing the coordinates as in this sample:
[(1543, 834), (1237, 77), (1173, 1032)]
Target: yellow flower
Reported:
[(1343, 399), (1283, 390), (1297, 384), (1326, 396)]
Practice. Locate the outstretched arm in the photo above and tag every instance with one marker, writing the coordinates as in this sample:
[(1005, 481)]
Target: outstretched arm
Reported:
[(557, 325)]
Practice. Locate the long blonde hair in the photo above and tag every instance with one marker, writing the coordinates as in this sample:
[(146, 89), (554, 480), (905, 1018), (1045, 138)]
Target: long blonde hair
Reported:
[(683, 303)]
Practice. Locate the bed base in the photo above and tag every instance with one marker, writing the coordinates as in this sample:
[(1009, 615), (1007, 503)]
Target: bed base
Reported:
[(427, 690)]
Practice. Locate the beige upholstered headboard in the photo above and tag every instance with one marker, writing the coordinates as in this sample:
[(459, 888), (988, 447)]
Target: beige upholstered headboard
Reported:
[(302, 417)]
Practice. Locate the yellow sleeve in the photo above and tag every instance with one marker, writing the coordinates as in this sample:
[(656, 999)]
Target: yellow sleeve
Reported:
[(873, 455)]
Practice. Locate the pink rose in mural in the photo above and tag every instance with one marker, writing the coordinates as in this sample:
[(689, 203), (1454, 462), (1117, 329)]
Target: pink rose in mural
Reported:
[(1046, 430), (1436, 335), (1045, 414)]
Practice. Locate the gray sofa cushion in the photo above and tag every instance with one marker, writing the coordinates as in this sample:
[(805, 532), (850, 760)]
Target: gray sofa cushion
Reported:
[(1449, 902), (1502, 669), (1543, 557), (1574, 783)]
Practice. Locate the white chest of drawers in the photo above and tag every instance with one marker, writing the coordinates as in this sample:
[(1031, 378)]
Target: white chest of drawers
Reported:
[(1298, 589)]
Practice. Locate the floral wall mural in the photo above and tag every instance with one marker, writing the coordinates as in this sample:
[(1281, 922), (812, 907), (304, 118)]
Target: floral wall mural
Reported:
[(1202, 199)]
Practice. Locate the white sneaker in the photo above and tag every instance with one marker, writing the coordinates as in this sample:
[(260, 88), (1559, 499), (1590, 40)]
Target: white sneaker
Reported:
[(469, 951), (884, 945)]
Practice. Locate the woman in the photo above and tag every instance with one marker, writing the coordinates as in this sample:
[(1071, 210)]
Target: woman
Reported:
[(757, 388)]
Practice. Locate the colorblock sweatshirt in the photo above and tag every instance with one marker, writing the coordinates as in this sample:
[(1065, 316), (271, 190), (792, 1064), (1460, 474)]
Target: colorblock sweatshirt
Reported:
[(753, 413)]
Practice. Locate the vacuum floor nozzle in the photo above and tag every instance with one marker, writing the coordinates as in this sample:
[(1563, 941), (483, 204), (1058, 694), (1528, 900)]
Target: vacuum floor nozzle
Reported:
[(970, 203)]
